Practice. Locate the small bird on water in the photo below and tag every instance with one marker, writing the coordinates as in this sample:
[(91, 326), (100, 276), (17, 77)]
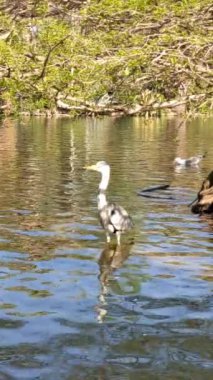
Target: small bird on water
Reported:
[(191, 161), (114, 218)]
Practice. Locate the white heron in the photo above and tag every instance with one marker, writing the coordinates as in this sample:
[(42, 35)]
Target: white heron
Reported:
[(114, 218)]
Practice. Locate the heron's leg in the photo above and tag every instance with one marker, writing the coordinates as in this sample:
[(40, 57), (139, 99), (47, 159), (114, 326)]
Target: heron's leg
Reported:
[(108, 237), (118, 236)]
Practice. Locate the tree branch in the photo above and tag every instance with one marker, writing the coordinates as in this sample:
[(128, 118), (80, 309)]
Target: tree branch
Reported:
[(41, 76)]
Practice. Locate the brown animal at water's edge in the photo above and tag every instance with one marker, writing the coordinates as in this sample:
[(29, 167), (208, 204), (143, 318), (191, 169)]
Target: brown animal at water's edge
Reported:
[(204, 202)]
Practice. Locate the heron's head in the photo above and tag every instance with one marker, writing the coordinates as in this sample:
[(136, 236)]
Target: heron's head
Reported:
[(100, 166), (103, 168)]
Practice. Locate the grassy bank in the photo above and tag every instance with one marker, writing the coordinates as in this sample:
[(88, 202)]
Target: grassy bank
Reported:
[(109, 56)]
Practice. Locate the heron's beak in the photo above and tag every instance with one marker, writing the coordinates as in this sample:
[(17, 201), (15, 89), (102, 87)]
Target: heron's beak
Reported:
[(91, 167)]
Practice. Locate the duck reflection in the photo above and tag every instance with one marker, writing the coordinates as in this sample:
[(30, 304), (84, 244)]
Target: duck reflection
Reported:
[(208, 218), (111, 258)]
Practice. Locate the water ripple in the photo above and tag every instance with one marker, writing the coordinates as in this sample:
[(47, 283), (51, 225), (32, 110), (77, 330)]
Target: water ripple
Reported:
[(72, 306)]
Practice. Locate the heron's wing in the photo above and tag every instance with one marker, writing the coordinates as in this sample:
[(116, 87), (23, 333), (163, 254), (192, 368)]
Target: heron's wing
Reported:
[(119, 218)]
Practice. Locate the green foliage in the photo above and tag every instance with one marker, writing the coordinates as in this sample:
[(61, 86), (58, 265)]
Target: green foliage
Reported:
[(142, 50)]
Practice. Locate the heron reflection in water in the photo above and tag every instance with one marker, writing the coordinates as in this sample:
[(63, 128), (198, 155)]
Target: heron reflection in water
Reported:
[(111, 259), (114, 218)]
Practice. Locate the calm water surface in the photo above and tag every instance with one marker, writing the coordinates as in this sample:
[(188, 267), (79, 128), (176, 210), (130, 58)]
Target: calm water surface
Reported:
[(73, 308)]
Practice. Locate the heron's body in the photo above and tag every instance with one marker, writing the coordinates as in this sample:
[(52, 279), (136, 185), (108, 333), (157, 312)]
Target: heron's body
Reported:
[(114, 218), (191, 161)]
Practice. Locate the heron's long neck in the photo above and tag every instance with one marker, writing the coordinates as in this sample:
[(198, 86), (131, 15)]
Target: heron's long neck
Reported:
[(105, 174), (102, 201)]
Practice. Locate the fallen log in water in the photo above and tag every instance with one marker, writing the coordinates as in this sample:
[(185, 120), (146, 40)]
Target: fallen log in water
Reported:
[(203, 204)]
